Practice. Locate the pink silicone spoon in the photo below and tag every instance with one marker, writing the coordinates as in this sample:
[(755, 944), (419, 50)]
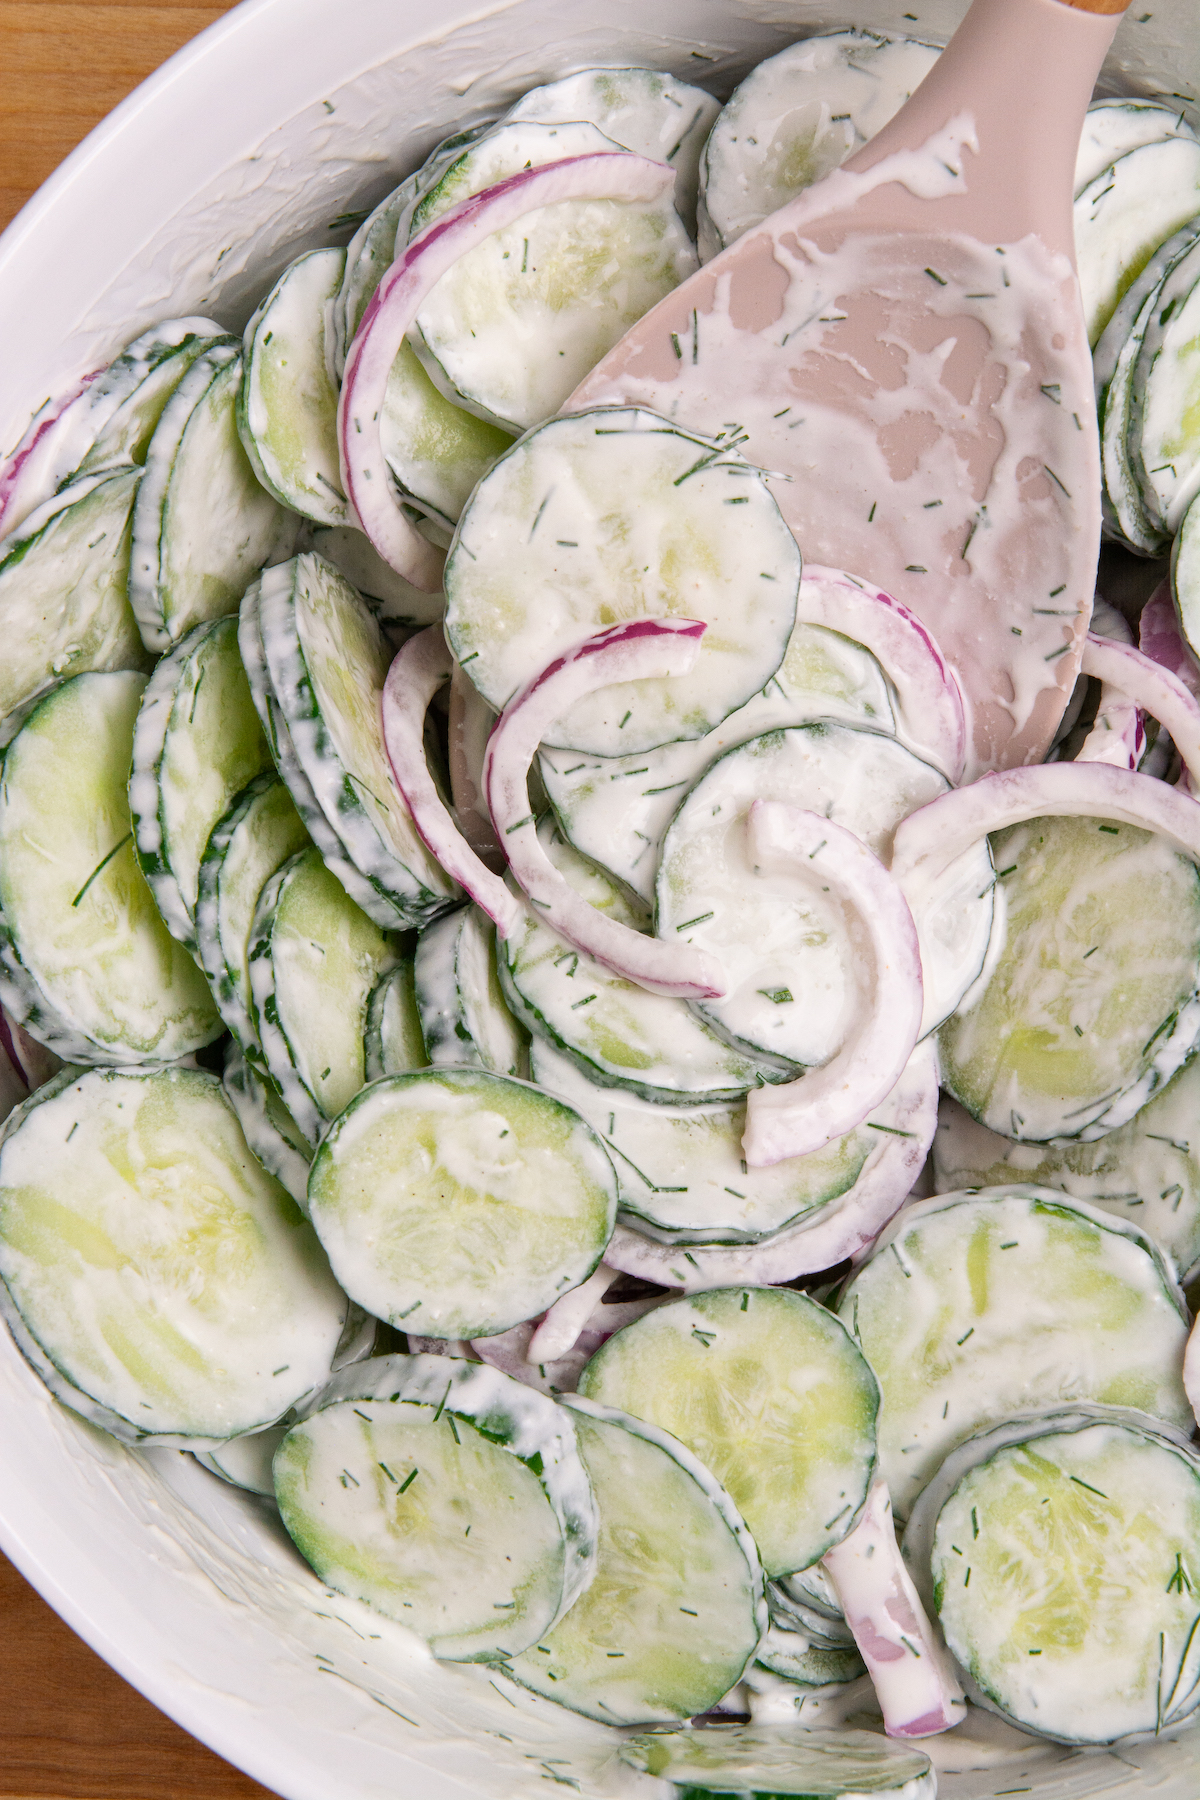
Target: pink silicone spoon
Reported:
[(904, 344)]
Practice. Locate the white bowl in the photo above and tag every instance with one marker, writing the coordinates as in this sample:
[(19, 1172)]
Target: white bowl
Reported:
[(189, 198)]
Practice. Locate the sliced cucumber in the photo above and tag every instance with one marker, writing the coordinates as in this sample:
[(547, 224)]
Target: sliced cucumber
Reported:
[(246, 1462), (974, 1307), (88, 964), (203, 525), (675, 1609), (1146, 1172), (615, 514), (461, 1202), (616, 809), (1114, 126), (196, 745), (63, 602), (436, 450), (156, 1278), (1092, 1004), (394, 601), (789, 957), (394, 1043), (369, 256), (314, 958), (812, 1665), (681, 1176), (287, 404), (514, 326), (797, 116), (326, 660), (1126, 518), (141, 381), (463, 1015), (1166, 395), (1125, 213), (620, 1034), (771, 1393), (1185, 575), (447, 1496), (756, 1762), (271, 1132)]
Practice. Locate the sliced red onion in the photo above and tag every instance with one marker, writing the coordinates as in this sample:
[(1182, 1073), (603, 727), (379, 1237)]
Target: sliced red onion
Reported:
[(930, 695), (470, 725), (565, 1320), (845, 1228), (416, 674), (55, 443), (638, 650), (604, 175), (829, 1101), (1148, 685), (1164, 643), (911, 1672), (1119, 734), (509, 1351)]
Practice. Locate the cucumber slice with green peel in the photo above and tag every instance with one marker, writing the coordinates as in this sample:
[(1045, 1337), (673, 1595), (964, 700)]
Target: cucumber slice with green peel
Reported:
[(788, 957), (197, 744), (1125, 213), (1079, 1619), (616, 809), (614, 514), (287, 403), (246, 1462), (1185, 575), (394, 601), (447, 1496), (369, 255), (145, 375), (457, 1203), (675, 1610), (464, 1018), (680, 1170), (1114, 126), (1146, 1172), (771, 1392), (812, 1590), (1126, 518), (88, 965), (643, 110), (394, 1042), (253, 840), (809, 1664), (620, 1034), (158, 1280), (798, 116), (513, 327), (63, 602), (314, 958), (973, 1307), (1166, 395), (203, 525), (436, 450), (270, 1130), (767, 1762), (326, 661), (1091, 1006), (798, 1616)]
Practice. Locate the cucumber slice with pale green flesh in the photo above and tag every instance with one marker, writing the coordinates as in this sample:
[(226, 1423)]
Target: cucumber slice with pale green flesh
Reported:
[(512, 328), (763, 1762), (203, 525), (1123, 216), (814, 1665), (798, 116), (1126, 519), (1112, 127), (369, 255), (975, 1307), (1185, 575), (394, 1042), (257, 835), (88, 965), (447, 1496), (146, 374), (616, 809), (1078, 1620), (771, 1393), (799, 1616), (1092, 1004), (788, 955), (643, 110), (681, 1175), (464, 1018), (457, 1203), (63, 602), (287, 403), (394, 601), (675, 1609), (314, 958), (1146, 1172), (811, 1590), (1166, 395), (620, 1034), (246, 1462), (327, 661), (436, 450), (271, 1132), (616, 514), (158, 1280), (197, 743)]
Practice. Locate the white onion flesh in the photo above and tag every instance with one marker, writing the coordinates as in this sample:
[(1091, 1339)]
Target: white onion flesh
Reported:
[(1154, 688), (562, 1324)]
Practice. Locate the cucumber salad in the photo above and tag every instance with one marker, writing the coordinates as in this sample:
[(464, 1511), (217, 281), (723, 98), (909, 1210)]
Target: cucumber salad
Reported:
[(520, 1045)]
